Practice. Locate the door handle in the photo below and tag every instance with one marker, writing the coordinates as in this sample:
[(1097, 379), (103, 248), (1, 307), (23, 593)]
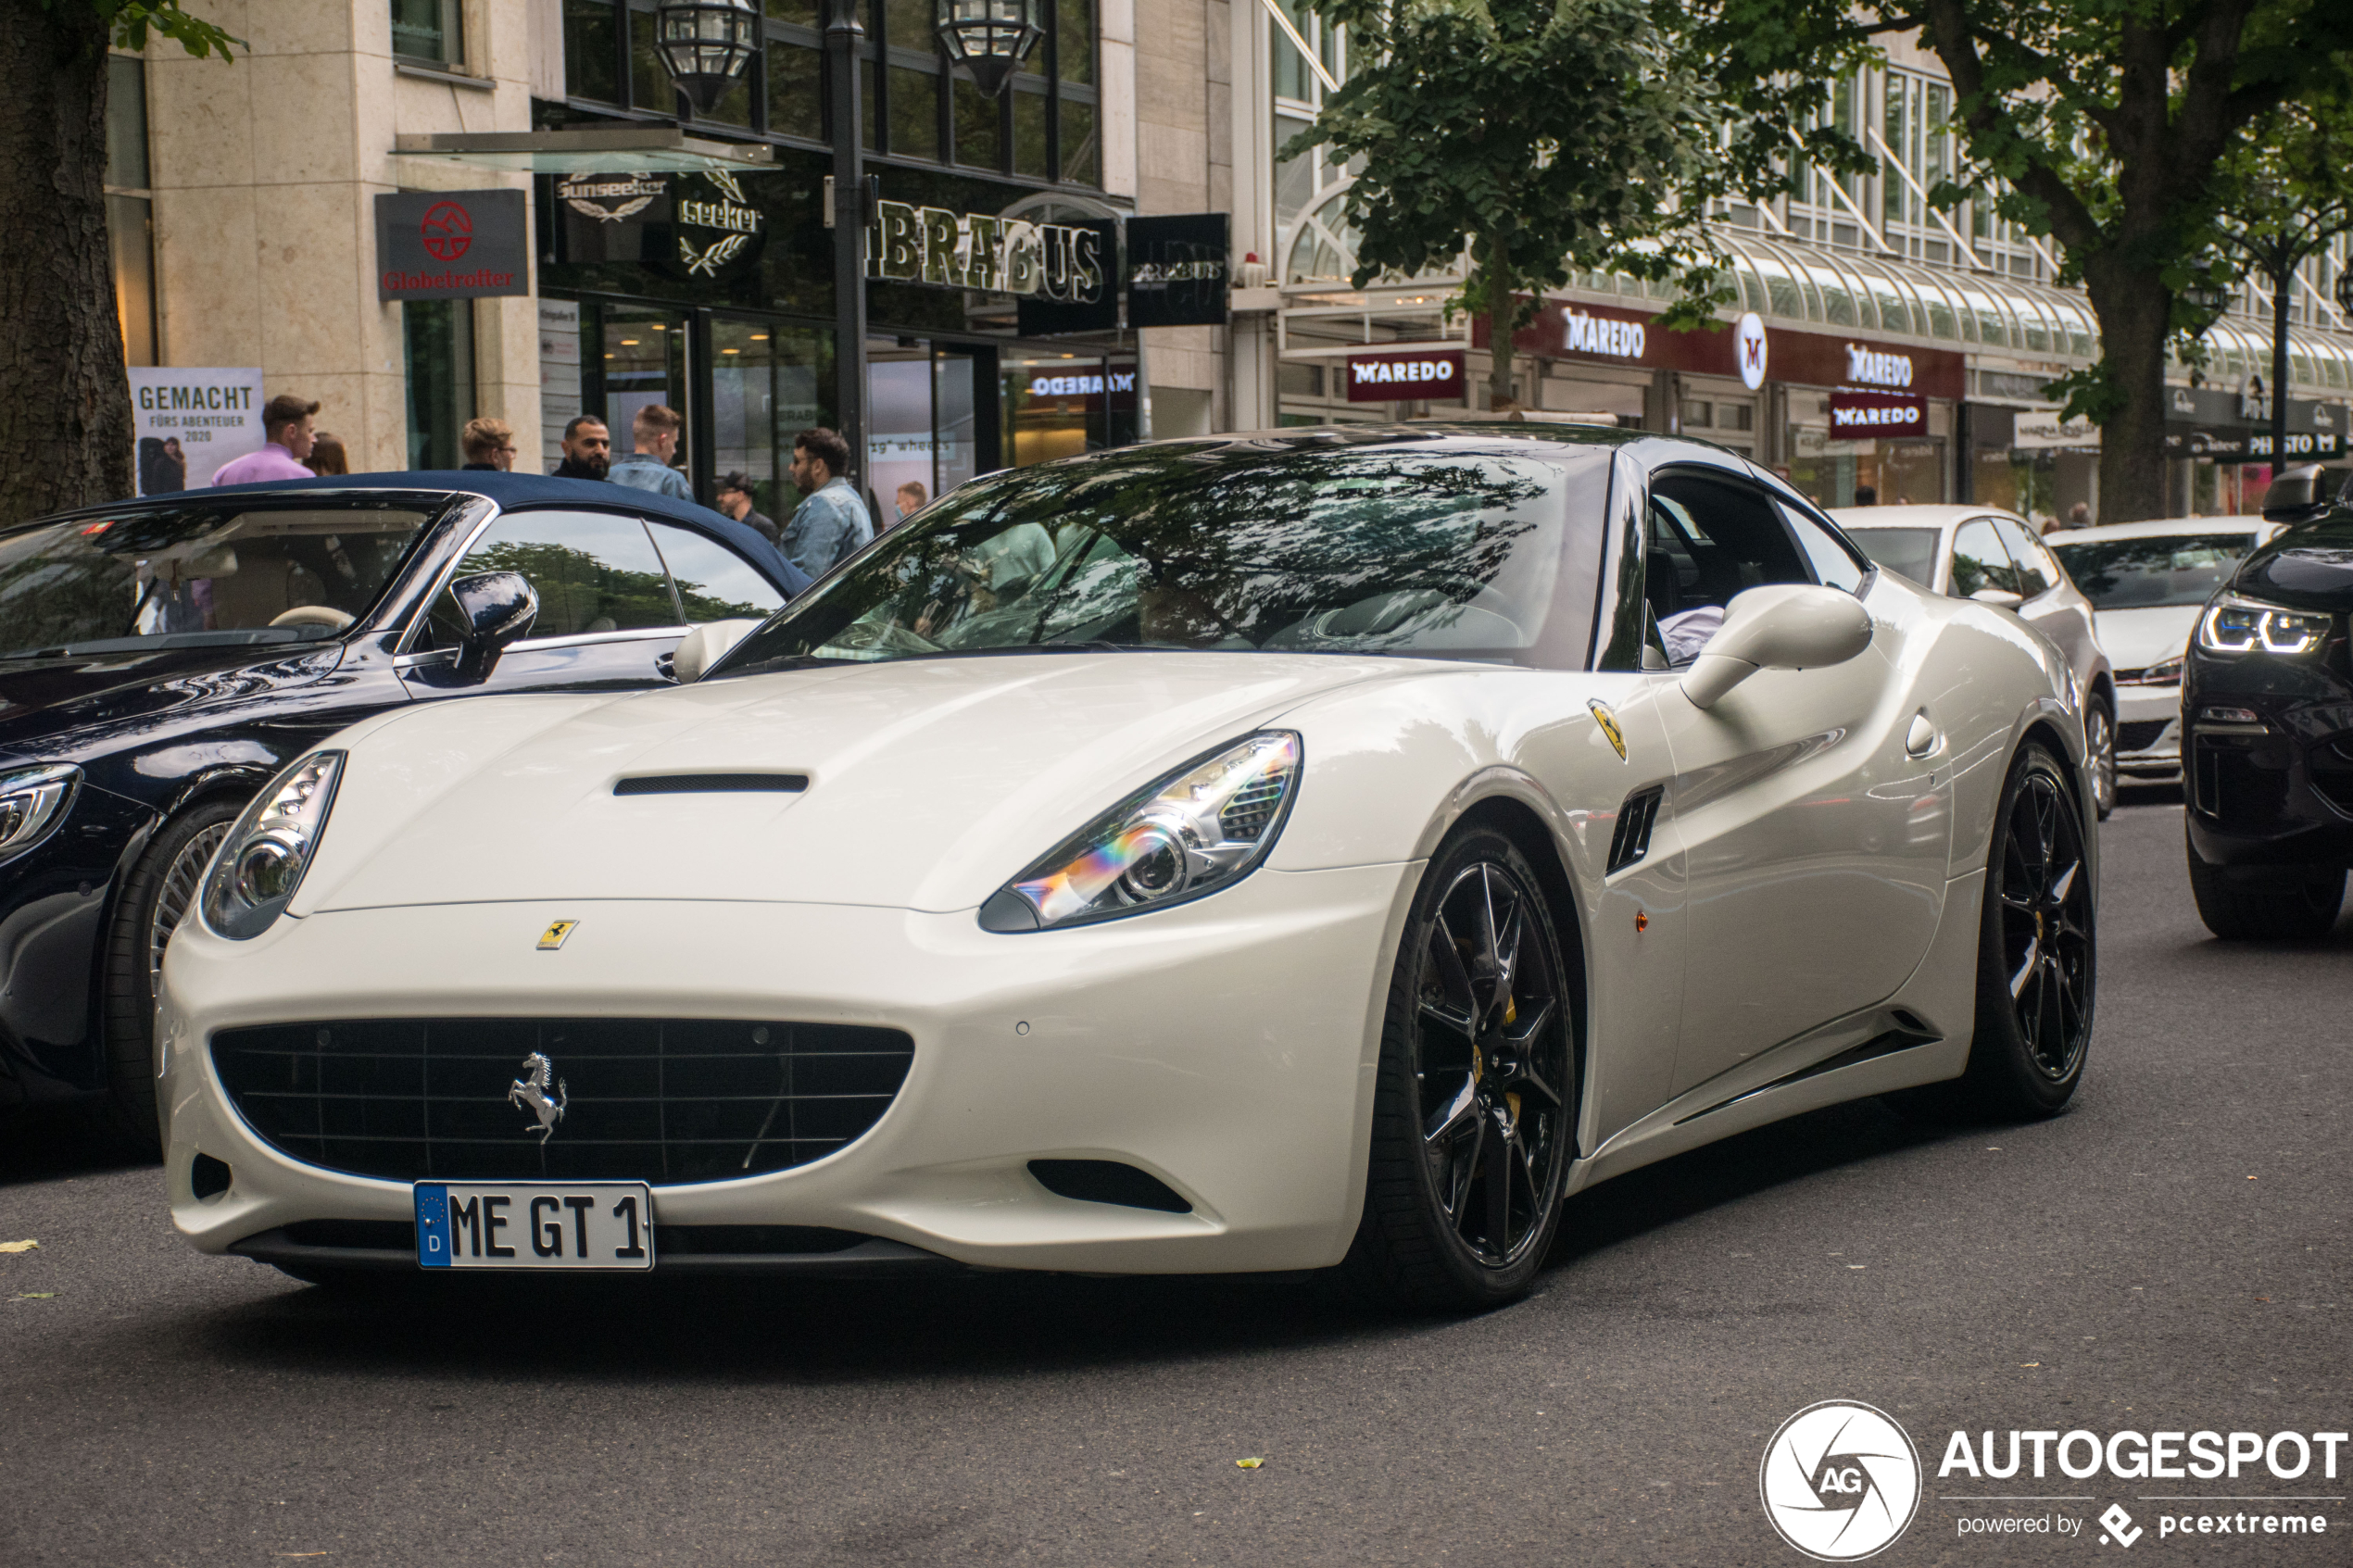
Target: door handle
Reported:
[(1921, 739)]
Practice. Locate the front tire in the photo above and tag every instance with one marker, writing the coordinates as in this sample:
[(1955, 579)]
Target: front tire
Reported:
[(2099, 744), (2037, 957), (2298, 912), (1475, 1108), (162, 889)]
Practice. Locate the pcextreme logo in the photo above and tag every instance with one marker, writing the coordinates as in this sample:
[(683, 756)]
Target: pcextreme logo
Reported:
[(1840, 1481)]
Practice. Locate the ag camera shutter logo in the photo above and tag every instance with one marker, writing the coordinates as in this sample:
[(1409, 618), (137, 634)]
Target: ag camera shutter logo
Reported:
[(1840, 1481)]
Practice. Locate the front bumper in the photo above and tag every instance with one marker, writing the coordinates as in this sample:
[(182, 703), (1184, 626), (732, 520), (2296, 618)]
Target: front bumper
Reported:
[(2148, 731), (1225, 1048), (2274, 792)]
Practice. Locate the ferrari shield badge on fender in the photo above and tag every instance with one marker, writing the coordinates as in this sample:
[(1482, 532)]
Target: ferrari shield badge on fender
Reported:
[(1602, 716), (553, 937)]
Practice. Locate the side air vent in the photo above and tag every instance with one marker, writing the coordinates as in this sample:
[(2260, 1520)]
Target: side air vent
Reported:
[(713, 783), (1635, 820)]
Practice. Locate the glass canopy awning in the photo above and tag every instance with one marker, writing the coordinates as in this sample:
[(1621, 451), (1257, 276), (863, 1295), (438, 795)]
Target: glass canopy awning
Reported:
[(602, 149)]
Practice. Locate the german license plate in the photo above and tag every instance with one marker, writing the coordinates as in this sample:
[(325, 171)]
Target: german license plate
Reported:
[(534, 1225)]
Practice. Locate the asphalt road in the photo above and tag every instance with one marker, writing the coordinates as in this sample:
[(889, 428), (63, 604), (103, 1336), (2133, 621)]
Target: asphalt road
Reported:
[(2170, 1254)]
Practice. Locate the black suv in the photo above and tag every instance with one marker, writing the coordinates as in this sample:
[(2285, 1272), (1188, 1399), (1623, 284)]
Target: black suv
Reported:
[(2267, 707)]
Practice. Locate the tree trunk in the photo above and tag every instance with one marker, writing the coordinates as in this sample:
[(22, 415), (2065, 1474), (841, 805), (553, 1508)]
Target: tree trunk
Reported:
[(2134, 309), (1503, 315), (65, 402)]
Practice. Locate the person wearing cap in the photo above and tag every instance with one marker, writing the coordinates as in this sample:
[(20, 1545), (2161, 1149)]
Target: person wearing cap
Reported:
[(734, 499)]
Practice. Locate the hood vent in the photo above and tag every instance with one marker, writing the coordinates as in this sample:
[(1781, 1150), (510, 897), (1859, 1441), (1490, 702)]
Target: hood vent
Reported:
[(713, 783)]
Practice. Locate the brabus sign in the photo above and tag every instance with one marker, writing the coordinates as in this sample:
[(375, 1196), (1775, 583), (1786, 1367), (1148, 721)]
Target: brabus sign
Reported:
[(1394, 378)]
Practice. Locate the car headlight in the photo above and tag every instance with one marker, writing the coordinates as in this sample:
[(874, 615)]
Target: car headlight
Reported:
[(261, 864), (1192, 832), (32, 802), (2168, 674), (2236, 625)]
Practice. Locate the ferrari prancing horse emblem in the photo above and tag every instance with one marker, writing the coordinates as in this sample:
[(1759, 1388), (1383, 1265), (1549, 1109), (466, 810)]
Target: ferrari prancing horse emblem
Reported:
[(553, 937), (1602, 716)]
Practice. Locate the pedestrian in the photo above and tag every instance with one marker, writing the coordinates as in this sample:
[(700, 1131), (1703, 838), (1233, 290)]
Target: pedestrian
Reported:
[(831, 523), (489, 444), (1867, 494), (286, 423), (2080, 515), (327, 457), (734, 499), (654, 437), (911, 499), (587, 449)]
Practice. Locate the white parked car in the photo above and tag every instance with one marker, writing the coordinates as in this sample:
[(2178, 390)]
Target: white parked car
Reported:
[(1995, 558), (1265, 853), (2146, 583)]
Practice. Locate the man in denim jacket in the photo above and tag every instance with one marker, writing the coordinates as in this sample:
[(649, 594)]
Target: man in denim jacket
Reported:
[(831, 523)]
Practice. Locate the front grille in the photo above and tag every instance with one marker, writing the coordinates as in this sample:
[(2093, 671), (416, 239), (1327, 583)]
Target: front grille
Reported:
[(660, 1100), (2139, 734)]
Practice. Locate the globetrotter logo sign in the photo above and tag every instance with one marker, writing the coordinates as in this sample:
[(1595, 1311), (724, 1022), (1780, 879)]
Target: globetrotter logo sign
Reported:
[(1394, 378), (455, 244), (1840, 1481)]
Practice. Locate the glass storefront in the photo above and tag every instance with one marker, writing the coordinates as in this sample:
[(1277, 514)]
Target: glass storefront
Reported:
[(1899, 473)]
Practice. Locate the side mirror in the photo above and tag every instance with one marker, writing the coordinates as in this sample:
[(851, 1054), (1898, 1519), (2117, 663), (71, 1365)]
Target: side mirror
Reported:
[(2000, 598), (1780, 626), (499, 607), (705, 645)]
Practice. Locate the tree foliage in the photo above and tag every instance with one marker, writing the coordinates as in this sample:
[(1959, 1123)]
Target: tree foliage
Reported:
[(131, 23), (1551, 135), (2100, 123)]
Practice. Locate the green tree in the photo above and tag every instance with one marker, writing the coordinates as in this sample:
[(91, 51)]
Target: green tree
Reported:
[(65, 402), (2284, 193), (2099, 122), (1550, 136)]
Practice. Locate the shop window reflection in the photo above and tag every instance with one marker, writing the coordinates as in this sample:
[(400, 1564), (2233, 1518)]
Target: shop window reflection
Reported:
[(795, 91)]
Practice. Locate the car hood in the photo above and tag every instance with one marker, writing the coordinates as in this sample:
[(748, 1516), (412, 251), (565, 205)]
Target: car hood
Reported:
[(43, 698), (2308, 566), (2134, 639), (930, 781)]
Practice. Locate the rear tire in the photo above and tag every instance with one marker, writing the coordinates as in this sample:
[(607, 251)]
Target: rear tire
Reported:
[(160, 890), (2037, 951), (1475, 1106), (2299, 910)]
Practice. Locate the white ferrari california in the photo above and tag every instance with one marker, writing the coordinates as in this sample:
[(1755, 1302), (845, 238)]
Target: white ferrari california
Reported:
[(1317, 850)]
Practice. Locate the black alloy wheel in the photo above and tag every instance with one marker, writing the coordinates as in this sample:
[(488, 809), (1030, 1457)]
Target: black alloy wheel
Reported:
[(1474, 1119), (2037, 958), (162, 890), (2099, 744)]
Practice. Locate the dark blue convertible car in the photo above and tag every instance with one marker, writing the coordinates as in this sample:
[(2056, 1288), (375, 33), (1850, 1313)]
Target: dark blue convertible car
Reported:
[(160, 659)]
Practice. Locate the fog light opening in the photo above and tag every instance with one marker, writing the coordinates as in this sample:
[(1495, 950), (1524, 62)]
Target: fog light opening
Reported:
[(208, 1177), (1108, 1181)]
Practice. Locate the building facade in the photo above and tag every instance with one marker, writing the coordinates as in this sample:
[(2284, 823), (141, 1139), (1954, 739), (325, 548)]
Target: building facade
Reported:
[(694, 268), (1880, 347)]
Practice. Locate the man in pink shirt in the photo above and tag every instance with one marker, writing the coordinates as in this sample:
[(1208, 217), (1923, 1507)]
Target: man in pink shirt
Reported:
[(287, 423)]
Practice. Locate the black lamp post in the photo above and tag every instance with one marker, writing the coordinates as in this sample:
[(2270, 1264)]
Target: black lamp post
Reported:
[(705, 45), (845, 48), (989, 38)]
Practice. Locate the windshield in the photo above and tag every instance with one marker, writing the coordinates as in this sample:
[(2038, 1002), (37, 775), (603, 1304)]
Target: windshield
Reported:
[(195, 576), (1227, 547), (1911, 551), (2176, 569)]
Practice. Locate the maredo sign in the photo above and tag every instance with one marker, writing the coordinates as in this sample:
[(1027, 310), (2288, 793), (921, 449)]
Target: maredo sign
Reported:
[(1395, 377), (1605, 335)]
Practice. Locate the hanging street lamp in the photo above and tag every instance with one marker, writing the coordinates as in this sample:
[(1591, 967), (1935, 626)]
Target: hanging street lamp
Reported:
[(2344, 291), (988, 38), (2206, 297), (706, 46)]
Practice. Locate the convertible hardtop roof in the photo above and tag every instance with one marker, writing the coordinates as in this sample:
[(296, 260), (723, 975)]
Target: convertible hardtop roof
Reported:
[(1501, 427), (507, 491)]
